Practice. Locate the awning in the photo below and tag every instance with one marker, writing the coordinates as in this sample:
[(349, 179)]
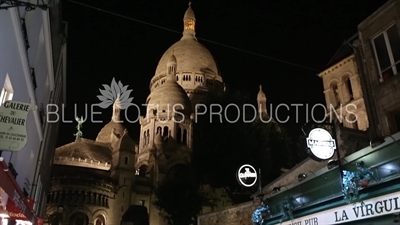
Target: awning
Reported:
[(18, 206)]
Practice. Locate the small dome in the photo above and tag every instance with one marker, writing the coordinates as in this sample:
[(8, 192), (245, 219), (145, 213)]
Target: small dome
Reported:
[(127, 143), (191, 56), (105, 133), (261, 95), (169, 97), (84, 149)]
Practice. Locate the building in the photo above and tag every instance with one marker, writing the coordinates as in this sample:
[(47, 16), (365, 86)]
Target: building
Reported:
[(362, 76), (110, 180), (378, 53), (345, 101), (32, 71)]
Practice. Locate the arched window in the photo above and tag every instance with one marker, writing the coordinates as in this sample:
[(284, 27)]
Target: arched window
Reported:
[(78, 219), (55, 219), (148, 136), (165, 132), (177, 78), (99, 220), (179, 135), (184, 138), (126, 160), (142, 170), (349, 87), (159, 130)]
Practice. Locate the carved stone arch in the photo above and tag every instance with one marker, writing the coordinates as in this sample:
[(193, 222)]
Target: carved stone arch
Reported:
[(345, 75), (142, 163), (143, 167), (50, 210), (333, 81), (54, 216), (177, 162), (100, 212), (81, 209)]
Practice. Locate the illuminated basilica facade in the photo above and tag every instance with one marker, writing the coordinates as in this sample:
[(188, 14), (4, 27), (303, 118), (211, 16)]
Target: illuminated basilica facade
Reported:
[(111, 179)]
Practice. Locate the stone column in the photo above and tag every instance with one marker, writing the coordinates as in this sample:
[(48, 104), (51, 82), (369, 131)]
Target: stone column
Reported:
[(51, 197), (327, 93), (55, 197), (344, 96), (355, 83), (102, 200), (86, 198)]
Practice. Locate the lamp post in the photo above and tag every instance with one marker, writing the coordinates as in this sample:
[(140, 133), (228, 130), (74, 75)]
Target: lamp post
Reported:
[(337, 151)]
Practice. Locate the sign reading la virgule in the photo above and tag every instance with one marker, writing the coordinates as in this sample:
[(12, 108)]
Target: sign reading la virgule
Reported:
[(379, 206), (13, 133)]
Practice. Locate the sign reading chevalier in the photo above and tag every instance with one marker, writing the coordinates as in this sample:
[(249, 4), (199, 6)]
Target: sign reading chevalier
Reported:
[(247, 175), (13, 116)]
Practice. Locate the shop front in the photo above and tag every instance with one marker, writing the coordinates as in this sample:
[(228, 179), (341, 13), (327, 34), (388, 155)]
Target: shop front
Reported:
[(383, 210), (15, 209), (363, 188)]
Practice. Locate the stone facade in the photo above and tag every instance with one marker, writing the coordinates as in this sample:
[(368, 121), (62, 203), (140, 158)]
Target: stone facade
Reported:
[(384, 83), (111, 180), (345, 103), (343, 94), (234, 215)]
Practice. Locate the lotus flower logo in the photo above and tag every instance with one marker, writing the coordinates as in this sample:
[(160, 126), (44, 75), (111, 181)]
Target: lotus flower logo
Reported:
[(115, 92)]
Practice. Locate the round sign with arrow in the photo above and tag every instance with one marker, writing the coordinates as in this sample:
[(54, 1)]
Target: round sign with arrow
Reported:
[(247, 175)]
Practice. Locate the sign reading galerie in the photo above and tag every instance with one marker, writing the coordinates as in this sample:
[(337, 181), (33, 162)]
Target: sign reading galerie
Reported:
[(321, 144), (13, 116), (247, 176), (379, 206)]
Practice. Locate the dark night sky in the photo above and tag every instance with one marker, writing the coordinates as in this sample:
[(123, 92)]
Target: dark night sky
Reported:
[(243, 36)]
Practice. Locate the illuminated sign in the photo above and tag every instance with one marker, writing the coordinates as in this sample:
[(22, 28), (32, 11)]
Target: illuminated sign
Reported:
[(321, 144), (247, 176), (13, 120), (379, 206)]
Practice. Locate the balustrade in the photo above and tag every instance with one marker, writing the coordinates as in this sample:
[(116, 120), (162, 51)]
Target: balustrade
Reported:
[(71, 197)]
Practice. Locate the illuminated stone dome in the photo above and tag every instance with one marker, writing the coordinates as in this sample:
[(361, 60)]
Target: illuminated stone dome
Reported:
[(104, 135), (192, 58), (84, 153), (114, 126), (168, 95)]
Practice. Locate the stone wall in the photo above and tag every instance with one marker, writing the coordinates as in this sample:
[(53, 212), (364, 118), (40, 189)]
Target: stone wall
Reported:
[(385, 91), (235, 215)]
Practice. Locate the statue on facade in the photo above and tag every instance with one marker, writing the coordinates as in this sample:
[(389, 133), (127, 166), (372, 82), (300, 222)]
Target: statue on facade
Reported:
[(80, 121)]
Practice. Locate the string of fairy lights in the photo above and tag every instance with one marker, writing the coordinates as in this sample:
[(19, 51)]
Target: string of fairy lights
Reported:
[(203, 39)]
